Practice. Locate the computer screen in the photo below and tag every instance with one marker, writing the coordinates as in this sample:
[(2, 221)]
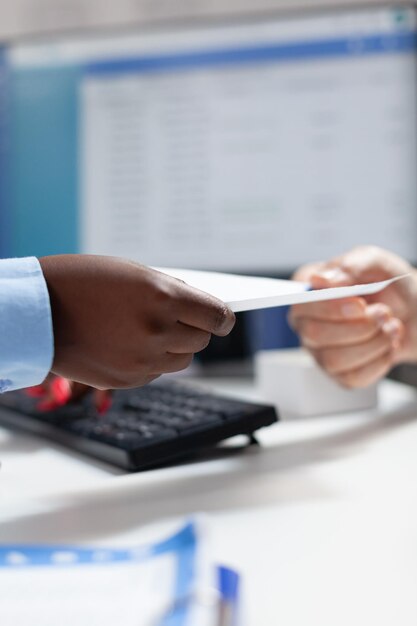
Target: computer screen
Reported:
[(246, 146), (5, 234)]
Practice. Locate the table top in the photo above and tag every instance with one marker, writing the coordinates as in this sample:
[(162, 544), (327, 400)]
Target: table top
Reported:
[(320, 519)]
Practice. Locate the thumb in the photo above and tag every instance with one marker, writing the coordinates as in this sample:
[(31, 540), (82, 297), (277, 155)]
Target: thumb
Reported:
[(330, 277)]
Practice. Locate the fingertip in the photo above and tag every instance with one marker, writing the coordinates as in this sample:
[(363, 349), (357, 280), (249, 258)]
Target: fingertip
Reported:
[(330, 277), (394, 328), (379, 313), (319, 281), (225, 322)]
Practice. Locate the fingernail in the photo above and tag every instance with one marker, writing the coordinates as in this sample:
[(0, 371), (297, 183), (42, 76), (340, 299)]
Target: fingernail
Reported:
[(379, 314), (353, 309), (333, 274), (227, 323), (393, 328)]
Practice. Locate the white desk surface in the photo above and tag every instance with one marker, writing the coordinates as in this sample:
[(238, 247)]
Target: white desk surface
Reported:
[(321, 520)]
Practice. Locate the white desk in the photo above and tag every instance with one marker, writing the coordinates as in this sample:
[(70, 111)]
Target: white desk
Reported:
[(321, 521)]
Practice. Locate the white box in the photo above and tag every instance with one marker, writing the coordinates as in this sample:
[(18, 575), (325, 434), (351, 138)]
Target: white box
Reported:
[(291, 380)]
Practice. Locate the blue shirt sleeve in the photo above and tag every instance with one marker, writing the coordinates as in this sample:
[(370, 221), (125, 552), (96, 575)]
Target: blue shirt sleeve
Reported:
[(26, 335)]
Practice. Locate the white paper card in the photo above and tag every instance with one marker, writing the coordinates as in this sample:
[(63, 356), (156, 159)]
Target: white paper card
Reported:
[(247, 293)]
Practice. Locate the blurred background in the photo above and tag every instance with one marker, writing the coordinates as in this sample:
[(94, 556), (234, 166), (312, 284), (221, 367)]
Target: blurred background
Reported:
[(229, 135)]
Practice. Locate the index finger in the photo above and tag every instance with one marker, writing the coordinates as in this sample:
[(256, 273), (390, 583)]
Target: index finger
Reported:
[(204, 311), (329, 310)]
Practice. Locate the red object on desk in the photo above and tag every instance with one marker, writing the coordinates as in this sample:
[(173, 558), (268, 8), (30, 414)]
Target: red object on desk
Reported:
[(57, 394)]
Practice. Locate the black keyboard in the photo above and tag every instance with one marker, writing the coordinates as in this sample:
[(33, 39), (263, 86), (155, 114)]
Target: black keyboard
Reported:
[(144, 427)]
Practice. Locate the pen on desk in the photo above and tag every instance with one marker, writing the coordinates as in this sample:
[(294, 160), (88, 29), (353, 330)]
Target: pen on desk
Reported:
[(229, 595), (222, 599)]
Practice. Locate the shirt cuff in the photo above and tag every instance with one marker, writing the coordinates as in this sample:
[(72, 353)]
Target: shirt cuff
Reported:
[(26, 335)]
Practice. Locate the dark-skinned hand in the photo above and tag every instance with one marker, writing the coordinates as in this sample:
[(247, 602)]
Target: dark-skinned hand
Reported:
[(118, 324)]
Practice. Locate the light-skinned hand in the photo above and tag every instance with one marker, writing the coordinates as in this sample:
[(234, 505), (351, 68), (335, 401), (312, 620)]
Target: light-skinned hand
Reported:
[(358, 340), (119, 324)]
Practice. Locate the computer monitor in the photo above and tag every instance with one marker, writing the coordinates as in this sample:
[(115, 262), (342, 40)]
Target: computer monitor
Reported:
[(246, 146)]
